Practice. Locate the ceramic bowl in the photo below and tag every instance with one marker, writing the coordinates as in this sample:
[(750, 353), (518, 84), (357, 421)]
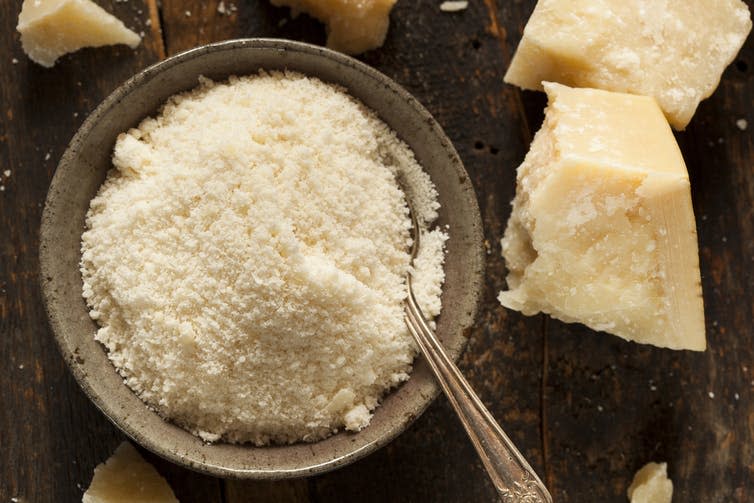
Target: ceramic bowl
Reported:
[(82, 170)]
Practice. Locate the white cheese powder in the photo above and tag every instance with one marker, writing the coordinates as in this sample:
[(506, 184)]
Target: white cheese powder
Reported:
[(246, 259)]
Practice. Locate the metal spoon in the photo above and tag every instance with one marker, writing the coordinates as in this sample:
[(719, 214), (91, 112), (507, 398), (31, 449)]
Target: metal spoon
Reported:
[(514, 479)]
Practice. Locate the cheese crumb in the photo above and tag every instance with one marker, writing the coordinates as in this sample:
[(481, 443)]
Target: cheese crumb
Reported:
[(742, 124), (454, 5), (246, 259), (125, 476), (6, 173), (651, 485)]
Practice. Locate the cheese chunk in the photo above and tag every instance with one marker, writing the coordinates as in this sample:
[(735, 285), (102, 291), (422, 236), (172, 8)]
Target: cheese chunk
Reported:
[(673, 50), (127, 478), (353, 26), (602, 230), (651, 485), (51, 28)]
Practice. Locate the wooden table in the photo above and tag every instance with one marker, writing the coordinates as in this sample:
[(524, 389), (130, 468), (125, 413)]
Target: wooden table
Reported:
[(587, 409)]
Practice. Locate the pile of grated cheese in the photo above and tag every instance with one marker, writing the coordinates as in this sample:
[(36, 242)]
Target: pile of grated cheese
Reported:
[(246, 259)]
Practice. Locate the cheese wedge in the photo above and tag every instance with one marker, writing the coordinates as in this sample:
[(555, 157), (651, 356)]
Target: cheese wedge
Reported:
[(651, 485), (602, 230), (127, 478), (353, 26), (673, 50), (51, 28)]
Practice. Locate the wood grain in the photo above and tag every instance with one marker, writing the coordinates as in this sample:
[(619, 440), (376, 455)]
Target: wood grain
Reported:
[(587, 409)]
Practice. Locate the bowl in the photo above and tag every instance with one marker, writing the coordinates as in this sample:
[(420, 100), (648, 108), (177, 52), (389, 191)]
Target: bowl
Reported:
[(82, 170)]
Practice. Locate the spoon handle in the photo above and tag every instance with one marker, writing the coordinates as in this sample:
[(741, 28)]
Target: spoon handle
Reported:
[(512, 476)]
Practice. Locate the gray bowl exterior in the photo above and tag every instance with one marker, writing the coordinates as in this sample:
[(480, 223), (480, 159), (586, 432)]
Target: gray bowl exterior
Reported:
[(82, 170)]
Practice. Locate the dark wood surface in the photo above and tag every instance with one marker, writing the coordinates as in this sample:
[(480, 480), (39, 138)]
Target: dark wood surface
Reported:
[(587, 409)]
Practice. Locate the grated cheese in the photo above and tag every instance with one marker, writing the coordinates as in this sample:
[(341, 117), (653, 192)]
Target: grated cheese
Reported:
[(246, 259)]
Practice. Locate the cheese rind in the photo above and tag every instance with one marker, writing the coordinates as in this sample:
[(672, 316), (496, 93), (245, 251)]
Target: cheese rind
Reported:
[(602, 230), (673, 50), (651, 485), (353, 26), (126, 478), (51, 28)]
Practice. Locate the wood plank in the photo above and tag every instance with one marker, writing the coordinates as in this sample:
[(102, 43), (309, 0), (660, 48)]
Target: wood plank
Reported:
[(452, 63), (194, 22), (465, 90), (611, 406), (265, 491), (51, 435)]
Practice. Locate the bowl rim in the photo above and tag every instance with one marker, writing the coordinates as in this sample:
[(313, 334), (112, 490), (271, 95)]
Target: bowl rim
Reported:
[(47, 258)]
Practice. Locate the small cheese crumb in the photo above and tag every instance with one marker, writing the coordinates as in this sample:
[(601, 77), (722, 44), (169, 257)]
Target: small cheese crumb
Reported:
[(47, 156), (6, 173), (651, 485), (454, 5), (357, 418), (188, 13), (207, 436), (125, 476), (711, 394), (742, 124), (2, 188), (221, 8), (14, 61)]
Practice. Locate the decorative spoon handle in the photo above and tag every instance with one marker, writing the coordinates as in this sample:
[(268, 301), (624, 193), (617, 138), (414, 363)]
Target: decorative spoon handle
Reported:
[(514, 479)]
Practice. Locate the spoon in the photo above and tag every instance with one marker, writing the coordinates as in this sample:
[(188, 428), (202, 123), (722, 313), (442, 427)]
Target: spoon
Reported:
[(514, 479)]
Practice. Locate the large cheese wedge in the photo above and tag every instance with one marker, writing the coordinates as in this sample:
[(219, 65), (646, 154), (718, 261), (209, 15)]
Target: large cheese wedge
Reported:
[(51, 28), (651, 485), (126, 478), (673, 50), (353, 26), (602, 230)]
